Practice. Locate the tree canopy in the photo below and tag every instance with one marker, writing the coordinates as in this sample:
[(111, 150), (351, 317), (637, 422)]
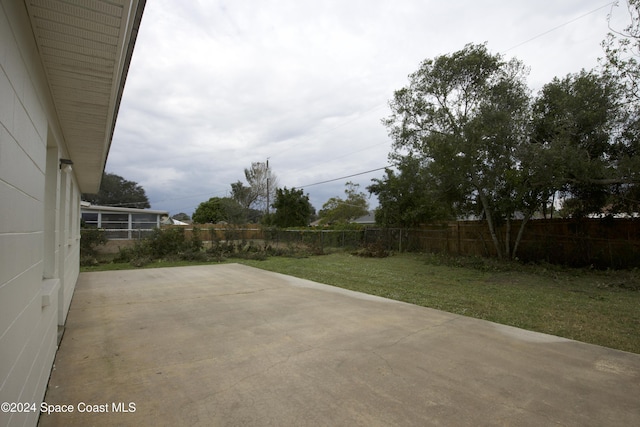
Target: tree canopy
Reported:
[(181, 217), (464, 117), (292, 207), (117, 191), (576, 121), (407, 197), (219, 209), (469, 139), (337, 210)]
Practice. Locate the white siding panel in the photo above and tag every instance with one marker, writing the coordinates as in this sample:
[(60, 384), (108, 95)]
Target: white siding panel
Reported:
[(28, 138), (19, 291), (5, 36), (37, 329), (20, 252), (36, 112), (14, 200), (14, 339), (6, 105), (27, 330), (13, 64), (19, 170)]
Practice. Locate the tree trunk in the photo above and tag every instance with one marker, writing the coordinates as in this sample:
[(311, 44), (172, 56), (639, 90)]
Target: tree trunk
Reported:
[(492, 229), (507, 240), (520, 233)]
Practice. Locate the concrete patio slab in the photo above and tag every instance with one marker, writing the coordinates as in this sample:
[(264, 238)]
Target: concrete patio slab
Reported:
[(233, 345)]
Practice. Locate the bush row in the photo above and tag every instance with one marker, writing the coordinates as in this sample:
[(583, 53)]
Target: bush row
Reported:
[(173, 244)]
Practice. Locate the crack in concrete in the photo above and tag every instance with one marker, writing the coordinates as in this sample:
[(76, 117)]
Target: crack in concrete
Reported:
[(417, 331), (246, 292), (261, 372)]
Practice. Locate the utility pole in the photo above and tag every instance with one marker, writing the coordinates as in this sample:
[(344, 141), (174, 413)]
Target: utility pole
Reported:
[(267, 186)]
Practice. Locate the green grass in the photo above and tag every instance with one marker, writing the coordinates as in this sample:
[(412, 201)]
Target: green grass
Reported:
[(591, 306)]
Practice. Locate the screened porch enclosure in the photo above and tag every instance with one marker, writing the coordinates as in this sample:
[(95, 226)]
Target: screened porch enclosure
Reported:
[(122, 223)]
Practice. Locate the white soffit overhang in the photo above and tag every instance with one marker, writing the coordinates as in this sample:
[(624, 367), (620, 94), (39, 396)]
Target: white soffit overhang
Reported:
[(86, 47)]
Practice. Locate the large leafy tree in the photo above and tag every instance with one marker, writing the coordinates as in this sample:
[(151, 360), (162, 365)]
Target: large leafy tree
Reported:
[(219, 209), (576, 121), (338, 210), (292, 207), (117, 191), (465, 117), (407, 196)]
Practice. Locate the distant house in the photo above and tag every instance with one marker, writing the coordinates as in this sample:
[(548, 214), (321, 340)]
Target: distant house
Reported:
[(368, 219), (172, 221), (63, 66), (123, 223)]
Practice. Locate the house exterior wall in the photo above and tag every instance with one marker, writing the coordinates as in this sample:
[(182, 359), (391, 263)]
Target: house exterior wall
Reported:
[(39, 231)]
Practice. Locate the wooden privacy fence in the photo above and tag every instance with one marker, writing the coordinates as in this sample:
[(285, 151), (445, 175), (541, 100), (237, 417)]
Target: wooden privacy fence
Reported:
[(613, 243), (603, 243)]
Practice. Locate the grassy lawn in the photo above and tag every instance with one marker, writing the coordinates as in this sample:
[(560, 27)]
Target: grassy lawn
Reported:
[(592, 306)]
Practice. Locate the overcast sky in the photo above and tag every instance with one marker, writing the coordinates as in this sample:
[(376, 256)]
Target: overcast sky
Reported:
[(215, 85)]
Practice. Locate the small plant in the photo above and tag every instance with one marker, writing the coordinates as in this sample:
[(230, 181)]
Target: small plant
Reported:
[(90, 239), (373, 250), (136, 255), (196, 239)]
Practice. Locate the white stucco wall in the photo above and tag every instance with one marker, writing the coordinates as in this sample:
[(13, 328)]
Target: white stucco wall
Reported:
[(39, 226)]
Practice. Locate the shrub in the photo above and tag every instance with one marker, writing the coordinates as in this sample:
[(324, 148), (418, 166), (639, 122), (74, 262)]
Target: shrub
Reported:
[(90, 239), (166, 242), (373, 250)]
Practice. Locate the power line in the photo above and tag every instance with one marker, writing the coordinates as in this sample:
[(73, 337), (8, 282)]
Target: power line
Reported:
[(344, 177), (302, 186), (559, 26)]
